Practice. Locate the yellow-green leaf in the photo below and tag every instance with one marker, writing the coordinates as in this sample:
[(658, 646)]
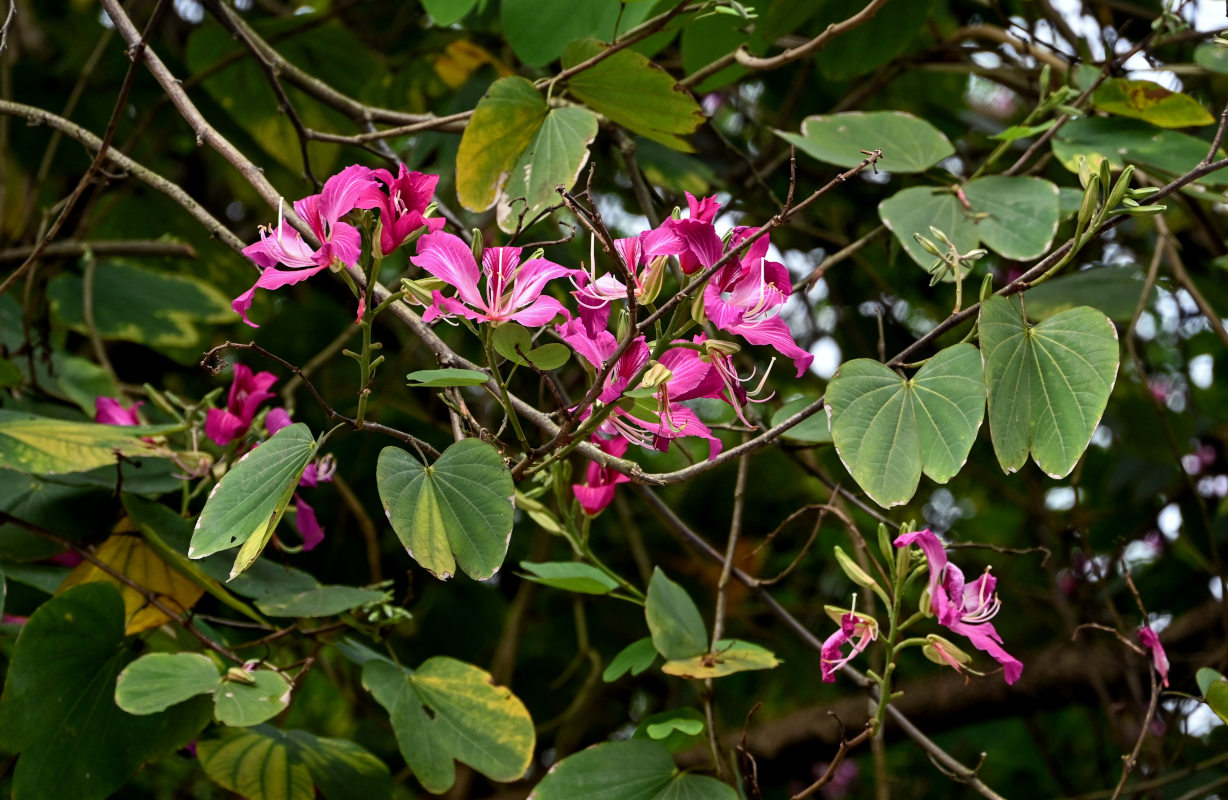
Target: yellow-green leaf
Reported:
[(729, 656), (45, 446), (1149, 101), (259, 763), (502, 127)]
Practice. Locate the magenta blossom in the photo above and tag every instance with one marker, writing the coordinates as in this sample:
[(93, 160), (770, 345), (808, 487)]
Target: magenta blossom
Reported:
[(109, 411), (317, 472), (597, 491), (963, 608), (1159, 659), (681, 373), (401, 207), (340, 242), (595, 293), (855, 628), (513, 291), (665, 238), (247, 392)]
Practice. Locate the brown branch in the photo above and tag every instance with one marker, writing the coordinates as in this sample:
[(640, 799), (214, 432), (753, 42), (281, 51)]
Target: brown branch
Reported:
[(845, 746), (139, 248), (743, 56)]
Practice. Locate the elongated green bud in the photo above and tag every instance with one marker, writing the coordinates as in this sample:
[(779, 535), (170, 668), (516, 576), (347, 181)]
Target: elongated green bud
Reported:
[(477, 245), (1120, 188), (854, 572)]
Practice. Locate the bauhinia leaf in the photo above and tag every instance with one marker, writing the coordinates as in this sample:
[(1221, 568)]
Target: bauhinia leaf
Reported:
[(471, 720), (673, 619), (1048, 384), (502, 127), (158, 681), (888, 429), (555, 156), (46, 446), (636, 769), (457, 511)]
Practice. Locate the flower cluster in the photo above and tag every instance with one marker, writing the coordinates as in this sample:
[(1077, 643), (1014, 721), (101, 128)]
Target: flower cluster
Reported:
[(496, 285)]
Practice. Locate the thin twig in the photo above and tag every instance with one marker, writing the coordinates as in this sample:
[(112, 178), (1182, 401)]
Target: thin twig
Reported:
[(139, 248)]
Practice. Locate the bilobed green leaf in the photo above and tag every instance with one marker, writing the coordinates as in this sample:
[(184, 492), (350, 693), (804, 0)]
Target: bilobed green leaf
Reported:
[(158, 681), (1113, 291), (673, 619), (457, 511), (342, 769), (1205, 677), (1124, 141), (260, 763), (539, 30), (46, 446), (629, 89), (1151, 102), (729, 656), (446, 12), (318, 601), (58, 710), (249, 499), (888, 430), (503, 125), (634, 658), (155, 308), (1015, 217), (1216, 698), (441, 378), (814, 430), (511, 340), (1048, 384), (909, 143), (555, 156), (635, 769), (677, 729), (472, 720), (570, 576), (241, 705)]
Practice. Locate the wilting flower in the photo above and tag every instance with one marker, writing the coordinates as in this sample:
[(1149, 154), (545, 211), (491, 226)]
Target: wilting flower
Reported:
[(287, 259), (402, 205), (317, 472), (963, 608), (856, 628), (513, 291), (597, 491), (1159, 659), (676, 377), (247, 392), (109, 411)]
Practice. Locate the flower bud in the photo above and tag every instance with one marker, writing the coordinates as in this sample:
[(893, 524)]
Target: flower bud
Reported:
[(720, 347), (656, 375), (476, 246), (654, 278)]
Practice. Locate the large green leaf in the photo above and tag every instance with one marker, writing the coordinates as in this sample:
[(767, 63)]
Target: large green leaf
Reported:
[(457, 511), (1048, 384), (58, 709), (1124, 141), (446, 12), (260, 763), (889, 429), (872, 44), (249, 499), (909, 143), (29, 443), (155, 308), (263, 763), (240, 704), (471, 720), (815, 430), (1015, 217), (503, 125), (629, 89), (440, 378), (539, 30), (1151, 102), (158, 681), (555, 156), (1214, 690), (673, 619), (637, 769)]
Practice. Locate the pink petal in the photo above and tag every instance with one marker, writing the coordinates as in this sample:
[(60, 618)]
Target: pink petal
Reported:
[(773, 331), (701, 240), (704, 210), (344, 192), (223, 427), (277, 278), (1159, 659), (243, 303), (935, 556), (448, 258), (307, 523), (539, 312), (275, 420), (109, 411), (985, 638), (531, 280)]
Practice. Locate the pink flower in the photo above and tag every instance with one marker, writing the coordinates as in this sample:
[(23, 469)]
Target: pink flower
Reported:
[(668, 419), (594, 294), (831, 655), (597, 491), (317, 472), (513, 291), (247, 392), (340, 242), (963, 608), (109, 411), (401, 208), (1159, 659), (665, 239)]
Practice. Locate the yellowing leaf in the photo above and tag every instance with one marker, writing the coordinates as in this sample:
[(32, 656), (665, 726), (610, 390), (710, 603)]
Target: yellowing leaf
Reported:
[(502, 127), (461, 58), (131, 557), (1150, 101), (729, 656)]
